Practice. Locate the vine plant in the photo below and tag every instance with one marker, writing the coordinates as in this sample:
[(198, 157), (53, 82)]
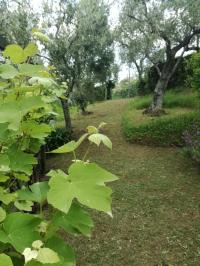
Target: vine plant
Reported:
[(29, 237)]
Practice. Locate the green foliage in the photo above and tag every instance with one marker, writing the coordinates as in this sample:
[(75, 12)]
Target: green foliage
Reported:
[(5, 260), (26, 107), (57, 138), (126, 89), (192, 142), (162, 131), (193, 66), (171, 99)]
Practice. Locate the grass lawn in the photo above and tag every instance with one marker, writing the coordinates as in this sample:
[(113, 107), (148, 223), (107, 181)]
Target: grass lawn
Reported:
[(156, 202)]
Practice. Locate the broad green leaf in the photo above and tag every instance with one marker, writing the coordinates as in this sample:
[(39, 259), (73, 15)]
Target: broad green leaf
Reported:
[(15, 53), (29, 104), (4, 131), (85, 182), (31, 70), (2, 215), (8, 71), (76, 221), (92, 129), (21, 161), (10, 113), (65, 252), (37, 193), (22, 177), (6, 197), (4, 162), (5, 260), (19, 229), (3, 178), (47, 255), (31, 50), (4, 85), (35, 130), (70, 146), (24, 205), (98, 138)]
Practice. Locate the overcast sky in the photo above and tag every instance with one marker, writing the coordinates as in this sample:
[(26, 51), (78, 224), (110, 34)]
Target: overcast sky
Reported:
[(113, 20)]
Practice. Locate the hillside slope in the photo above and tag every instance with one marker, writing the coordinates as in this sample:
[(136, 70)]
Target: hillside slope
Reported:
[(155, 202)]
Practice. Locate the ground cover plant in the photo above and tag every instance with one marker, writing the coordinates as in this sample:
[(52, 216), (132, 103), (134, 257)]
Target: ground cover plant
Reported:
[(27, 235)]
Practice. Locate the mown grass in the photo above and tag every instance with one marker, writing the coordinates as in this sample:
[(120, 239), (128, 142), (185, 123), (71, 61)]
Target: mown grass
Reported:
[(155, 203)]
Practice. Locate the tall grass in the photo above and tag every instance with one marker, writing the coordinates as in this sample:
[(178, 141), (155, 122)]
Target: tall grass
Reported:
[(162, 131), (171, 100)]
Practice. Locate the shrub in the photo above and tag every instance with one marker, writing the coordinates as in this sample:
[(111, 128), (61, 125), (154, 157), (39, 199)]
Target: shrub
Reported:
[(57, 138), (162, 131), (193, 64), (192, 142), (126, 89)]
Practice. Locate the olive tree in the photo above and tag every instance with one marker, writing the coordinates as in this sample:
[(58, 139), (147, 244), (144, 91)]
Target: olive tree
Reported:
[(168, 29), (81, 46)]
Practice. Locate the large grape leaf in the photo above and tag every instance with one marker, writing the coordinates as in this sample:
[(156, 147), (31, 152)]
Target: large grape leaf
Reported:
[(35, 130), (31, 70), (12, 112), (6, 197), (2, 215), (28, 104), (76, 221), (19, 55), (15, 53), (8, 71), (64, 251), (19, 229), (70, 146), (31, 50), (37, 193), (4, 162), (21, 161), (85, 182), (5, 260), (4, 131)]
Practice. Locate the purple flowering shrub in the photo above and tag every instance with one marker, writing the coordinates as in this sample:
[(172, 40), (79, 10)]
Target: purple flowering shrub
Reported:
[(192, 142)]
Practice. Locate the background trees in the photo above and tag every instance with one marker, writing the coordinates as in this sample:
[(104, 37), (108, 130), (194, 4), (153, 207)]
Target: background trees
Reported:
[(80, 48), (170, 28)]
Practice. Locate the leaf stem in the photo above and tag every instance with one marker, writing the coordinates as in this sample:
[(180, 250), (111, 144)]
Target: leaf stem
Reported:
[(74, 154), (87, 152)]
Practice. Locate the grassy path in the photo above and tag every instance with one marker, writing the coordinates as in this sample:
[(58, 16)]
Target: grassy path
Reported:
[(156, 202)]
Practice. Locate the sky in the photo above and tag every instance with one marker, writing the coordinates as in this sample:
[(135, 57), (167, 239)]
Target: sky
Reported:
[(124, 71)]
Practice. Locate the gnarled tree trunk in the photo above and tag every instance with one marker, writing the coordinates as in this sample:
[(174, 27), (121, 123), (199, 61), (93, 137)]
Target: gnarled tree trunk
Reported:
[(156, 107)]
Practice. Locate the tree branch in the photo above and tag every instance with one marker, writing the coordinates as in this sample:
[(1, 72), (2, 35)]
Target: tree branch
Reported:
[(186, 40)]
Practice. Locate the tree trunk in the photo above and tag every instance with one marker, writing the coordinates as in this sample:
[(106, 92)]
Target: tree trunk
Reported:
[(68, 124), (156, 107)]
